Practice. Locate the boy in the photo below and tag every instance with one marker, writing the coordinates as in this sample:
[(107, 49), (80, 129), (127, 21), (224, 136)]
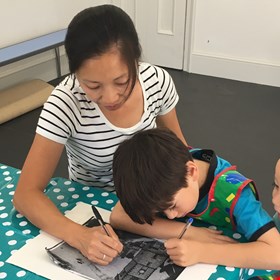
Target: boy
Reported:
[(154, 172), (276, 195)]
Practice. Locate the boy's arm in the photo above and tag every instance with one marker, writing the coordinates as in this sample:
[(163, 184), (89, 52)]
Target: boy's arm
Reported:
[(260, 254), (164, 228)]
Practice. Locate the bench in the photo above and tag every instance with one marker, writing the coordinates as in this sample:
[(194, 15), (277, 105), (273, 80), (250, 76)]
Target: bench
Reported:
[(29, 95), (34, 46)]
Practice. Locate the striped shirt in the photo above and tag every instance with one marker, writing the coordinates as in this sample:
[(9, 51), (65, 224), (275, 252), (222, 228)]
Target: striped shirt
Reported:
[(69, 117)]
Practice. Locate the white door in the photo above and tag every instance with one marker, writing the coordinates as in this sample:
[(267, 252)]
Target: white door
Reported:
[(161, 28)]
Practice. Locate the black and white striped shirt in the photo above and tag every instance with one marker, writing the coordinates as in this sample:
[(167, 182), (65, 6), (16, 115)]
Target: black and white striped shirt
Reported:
[(70, 118)]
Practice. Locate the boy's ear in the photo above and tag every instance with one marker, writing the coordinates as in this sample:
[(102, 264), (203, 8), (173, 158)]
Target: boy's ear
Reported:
[(192, 170)]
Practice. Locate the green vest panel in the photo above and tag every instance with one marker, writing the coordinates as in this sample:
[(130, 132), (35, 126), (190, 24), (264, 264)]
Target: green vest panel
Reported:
[(223, 196)]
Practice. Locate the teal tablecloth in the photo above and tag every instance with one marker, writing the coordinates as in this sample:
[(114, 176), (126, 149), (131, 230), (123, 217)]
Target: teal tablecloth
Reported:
[(15, 230)]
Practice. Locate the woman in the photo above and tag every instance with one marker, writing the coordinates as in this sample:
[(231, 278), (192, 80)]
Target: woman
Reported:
[(108, 96)]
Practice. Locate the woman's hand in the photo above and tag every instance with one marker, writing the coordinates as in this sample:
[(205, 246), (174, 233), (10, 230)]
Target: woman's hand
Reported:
[(97, 246)]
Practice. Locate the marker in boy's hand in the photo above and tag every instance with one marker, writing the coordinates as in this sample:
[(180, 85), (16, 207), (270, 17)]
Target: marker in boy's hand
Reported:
[(187, 225)]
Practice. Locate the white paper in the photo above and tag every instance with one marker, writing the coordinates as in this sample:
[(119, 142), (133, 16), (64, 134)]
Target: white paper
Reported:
[(39, 262)]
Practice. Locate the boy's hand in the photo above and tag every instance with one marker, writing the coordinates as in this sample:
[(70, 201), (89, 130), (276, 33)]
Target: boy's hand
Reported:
[(203, 234), (183, 252)]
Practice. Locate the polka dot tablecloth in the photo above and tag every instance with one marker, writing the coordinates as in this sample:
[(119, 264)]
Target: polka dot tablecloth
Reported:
[(15, 230)]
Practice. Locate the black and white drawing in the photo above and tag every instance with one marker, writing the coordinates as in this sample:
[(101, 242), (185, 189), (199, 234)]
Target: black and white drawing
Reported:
[(142, 258)]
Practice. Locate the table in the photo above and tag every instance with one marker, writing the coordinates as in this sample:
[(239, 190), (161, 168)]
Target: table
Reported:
[(16, 230)]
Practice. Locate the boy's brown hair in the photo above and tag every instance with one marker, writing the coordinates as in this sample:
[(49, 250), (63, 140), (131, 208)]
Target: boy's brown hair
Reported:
[(148, 169)]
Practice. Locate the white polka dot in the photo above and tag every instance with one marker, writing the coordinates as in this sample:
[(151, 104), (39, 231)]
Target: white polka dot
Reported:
[(105, 194), (23, 223), (109, 201), (67, 183), (18, 172), (64, 204), (26, 231), (56, 190), (3, 275), (13, 251), (9, 186), (251, 271), (75, 196), (4, 215), (71, 189), (19, 216), (236, 235), (6, 224), (60, 197), (221, 278), (21, 273), (90, 195), (9, 178), (213, 227), (12, 242), (228, 268), (6, 173), (4, 167), (2, 208), (1, 200), (9, 233), (12, 193), (53, 183), (1, 264), (94, 202), (85, 188)]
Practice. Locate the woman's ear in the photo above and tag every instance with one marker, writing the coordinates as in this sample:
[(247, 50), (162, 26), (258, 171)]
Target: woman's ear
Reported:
[(192, 170)]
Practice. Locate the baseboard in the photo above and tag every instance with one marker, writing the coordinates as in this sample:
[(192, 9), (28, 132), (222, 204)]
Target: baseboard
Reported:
[(236, 69)]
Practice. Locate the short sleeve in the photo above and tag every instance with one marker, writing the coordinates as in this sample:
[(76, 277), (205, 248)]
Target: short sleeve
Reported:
[(168, 90), (56, 119), (251, 219)]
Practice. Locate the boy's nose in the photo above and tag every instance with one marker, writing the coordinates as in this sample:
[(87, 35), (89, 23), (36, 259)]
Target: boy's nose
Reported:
[(171, 214)]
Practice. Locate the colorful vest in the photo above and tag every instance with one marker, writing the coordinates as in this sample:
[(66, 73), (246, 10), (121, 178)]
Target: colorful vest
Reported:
[(223, 196)]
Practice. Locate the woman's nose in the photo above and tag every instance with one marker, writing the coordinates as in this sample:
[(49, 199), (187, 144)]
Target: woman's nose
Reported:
[(110, 96)]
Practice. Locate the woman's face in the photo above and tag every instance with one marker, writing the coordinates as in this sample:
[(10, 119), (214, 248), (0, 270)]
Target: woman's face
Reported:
[(276, 189), (105, 80)]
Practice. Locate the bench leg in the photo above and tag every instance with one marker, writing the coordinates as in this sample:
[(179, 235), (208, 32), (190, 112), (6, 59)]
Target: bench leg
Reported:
[(57, 59)]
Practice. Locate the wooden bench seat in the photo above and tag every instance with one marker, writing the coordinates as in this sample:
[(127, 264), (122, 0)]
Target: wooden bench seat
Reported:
[(23, 98)]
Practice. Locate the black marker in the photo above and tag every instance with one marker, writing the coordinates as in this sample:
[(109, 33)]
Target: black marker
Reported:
[(100, 220)]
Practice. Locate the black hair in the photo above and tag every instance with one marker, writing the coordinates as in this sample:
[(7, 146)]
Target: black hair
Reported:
[(95, 30), (148, 169)]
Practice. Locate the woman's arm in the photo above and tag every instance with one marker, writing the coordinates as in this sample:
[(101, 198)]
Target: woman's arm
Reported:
[(170, 121), (30, 201)]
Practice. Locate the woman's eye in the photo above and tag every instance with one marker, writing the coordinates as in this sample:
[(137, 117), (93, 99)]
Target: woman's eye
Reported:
[(93, 88), (122, 83)]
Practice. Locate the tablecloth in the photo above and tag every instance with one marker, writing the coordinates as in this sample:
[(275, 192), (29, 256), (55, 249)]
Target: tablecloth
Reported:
[(16, 230)]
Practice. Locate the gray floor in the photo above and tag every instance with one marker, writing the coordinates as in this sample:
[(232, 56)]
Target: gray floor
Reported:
[(240, 121)]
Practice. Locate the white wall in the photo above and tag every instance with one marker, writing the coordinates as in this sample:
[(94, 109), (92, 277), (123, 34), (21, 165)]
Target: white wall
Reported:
[(236, 39), (22, 20)]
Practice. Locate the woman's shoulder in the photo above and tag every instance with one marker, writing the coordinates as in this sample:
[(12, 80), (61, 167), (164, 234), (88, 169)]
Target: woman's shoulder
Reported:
[(69, 89)]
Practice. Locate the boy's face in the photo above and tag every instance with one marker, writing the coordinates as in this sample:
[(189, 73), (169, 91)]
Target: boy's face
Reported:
[(184, 201), (276, 189)]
